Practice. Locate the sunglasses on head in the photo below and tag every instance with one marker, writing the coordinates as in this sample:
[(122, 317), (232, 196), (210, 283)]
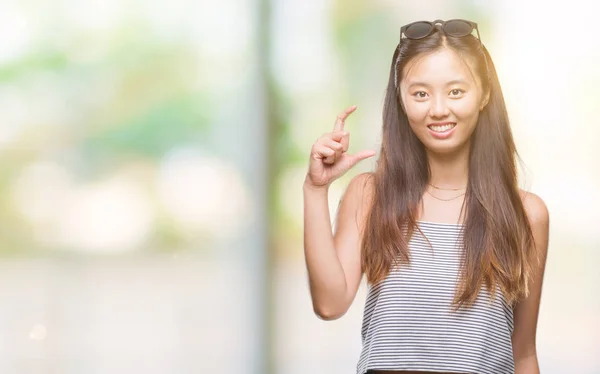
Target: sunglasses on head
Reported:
[(456, 28)]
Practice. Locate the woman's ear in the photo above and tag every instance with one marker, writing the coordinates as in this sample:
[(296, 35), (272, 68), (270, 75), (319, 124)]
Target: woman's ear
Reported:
[(485, 100)]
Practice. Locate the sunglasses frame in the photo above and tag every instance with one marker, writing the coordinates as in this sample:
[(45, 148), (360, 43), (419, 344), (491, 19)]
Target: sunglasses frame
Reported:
[(443, 24)]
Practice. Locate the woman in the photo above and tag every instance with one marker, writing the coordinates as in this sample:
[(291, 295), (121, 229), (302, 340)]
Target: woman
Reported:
[(453, 251)]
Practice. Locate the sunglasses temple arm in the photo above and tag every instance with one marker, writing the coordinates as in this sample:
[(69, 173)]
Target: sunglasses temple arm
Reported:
[(487, 67), (396, 63), (396, 72)]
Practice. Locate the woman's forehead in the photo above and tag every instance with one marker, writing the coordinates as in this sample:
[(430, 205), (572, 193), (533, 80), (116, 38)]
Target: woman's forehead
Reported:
[(437, 68)]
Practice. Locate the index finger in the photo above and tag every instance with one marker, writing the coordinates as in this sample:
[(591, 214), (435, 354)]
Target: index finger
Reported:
[(339, 121)]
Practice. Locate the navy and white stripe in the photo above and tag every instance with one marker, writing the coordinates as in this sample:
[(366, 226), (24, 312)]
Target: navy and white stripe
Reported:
[(408, 323)]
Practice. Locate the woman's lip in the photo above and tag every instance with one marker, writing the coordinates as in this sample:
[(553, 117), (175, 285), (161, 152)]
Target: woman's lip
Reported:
[(441, 123), (441, 135)]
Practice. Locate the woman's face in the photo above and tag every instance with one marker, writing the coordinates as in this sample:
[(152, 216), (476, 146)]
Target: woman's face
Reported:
[(442, 100)]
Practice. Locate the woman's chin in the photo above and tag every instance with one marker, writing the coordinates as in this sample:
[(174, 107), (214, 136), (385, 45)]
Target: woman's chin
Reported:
[(446, 147)]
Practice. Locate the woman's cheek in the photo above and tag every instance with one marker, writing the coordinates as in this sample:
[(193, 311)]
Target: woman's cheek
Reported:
[(416, 111), (415, 121), (467, 108)]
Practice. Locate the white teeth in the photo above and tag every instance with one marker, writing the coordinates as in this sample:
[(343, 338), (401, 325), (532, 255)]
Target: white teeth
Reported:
[(442, 128)]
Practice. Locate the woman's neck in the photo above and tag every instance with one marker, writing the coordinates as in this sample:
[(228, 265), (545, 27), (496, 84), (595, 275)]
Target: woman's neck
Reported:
[(449, 170)]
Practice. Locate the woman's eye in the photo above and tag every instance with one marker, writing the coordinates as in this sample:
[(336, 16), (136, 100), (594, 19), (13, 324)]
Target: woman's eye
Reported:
[(420, 94), (456, 92)]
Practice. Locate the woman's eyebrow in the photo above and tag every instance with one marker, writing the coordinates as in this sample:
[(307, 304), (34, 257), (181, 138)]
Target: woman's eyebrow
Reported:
[(450, 83), (417, 83), (457, 81)]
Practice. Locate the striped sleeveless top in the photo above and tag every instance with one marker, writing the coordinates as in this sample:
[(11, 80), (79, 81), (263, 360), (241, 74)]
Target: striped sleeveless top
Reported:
[(408, 323)]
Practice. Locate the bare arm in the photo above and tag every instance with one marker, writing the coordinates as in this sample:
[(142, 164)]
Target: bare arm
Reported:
[(526, 311), (333, 263), (333, 260)]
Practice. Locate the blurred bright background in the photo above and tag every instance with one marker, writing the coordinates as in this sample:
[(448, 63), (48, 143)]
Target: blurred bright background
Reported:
[(152, 155)]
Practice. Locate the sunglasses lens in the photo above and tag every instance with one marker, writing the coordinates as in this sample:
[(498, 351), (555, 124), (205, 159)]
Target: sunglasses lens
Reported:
[(418, 30), (457, 28)]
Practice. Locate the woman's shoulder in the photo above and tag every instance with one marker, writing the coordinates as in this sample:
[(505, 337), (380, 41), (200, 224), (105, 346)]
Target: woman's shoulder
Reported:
[(359, 191), (362, 185), (535, 207), (363, 180)]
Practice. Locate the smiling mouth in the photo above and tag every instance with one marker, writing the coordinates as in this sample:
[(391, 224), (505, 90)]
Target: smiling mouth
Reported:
[(442, 128)]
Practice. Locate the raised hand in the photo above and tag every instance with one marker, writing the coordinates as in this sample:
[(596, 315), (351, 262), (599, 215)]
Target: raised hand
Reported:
[(328, 157)]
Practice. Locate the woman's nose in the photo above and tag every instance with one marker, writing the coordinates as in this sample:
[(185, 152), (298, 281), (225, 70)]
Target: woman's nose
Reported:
[(439, 107)]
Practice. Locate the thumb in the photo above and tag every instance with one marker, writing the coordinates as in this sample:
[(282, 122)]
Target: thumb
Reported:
[(359, 156)]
